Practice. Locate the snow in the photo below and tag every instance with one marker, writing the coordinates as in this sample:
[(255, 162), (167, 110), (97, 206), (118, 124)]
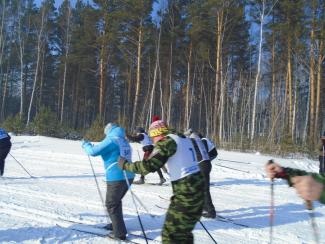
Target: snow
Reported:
[(64, 189)]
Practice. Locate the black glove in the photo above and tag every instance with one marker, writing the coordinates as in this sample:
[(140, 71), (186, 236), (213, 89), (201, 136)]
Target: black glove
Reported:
[(121, 162), (148, 148)]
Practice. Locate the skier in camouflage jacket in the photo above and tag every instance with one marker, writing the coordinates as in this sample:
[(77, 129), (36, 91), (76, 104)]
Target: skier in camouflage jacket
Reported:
[(310, 186), (187, 201)]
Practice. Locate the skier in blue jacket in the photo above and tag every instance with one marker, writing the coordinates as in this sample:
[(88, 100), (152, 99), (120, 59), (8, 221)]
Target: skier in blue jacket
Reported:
[(110, 149), (5, 146)]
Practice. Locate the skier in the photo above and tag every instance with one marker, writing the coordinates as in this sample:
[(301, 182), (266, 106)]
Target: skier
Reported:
[(310, 186), (142, 137), (205, 167), (5, 146), (187, 201), (322, 154), (114, 145)]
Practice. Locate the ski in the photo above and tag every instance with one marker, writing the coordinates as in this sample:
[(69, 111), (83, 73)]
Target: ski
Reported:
[(218, 218), (229, 220), (94, 231), (99, 228), (158, 184)]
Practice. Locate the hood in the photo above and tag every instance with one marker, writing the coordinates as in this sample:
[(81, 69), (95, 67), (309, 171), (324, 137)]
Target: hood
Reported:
[(116, 131)]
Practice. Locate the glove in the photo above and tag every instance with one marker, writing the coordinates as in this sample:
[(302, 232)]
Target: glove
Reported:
[(121, 162), (84, 143), (148, 148)]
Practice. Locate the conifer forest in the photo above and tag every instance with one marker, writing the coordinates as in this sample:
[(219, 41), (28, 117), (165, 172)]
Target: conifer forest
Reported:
[(249, 74)]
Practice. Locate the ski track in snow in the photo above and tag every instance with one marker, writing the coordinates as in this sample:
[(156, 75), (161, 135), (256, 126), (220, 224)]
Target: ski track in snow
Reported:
[(64, 191)]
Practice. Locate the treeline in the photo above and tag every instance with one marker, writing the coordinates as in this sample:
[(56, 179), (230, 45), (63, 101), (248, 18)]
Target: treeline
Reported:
[(250, 74)]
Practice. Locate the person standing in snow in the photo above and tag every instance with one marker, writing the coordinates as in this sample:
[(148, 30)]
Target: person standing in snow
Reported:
[(186, 204), (205, 167), (142, 137), (310, 186), (114, 145), (321, 149), (5, 146)]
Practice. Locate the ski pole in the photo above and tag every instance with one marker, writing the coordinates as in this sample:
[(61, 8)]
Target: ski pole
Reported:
[(98, 189), (135, 205), (143, 206), (271, 223), (272, 211), (21, 165), (233, 168), (208, 232), (233, 161), (310, 208)]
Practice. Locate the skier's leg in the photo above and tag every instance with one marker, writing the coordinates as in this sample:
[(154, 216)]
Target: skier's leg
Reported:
[(3, 154), (140, 181), (184, 210), (209, 210), (161, 177), (114, 194)]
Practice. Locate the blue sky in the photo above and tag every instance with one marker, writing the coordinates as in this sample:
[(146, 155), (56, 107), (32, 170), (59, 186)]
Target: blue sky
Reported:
[(57, 2)]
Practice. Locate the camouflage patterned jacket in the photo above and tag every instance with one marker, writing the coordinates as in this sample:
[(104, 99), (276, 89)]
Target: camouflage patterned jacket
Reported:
[(162, 151), (289, 173)]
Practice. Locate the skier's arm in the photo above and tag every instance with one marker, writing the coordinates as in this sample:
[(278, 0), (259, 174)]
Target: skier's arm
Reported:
[(159, 156), (289, 174), (213, 154), (95, 150)]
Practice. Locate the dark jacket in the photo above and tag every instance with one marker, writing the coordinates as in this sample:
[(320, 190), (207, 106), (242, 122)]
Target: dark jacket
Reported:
[(4, 139)]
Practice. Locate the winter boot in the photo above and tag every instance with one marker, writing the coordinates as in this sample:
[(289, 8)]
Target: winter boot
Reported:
[(108, 226), (139, 182), (162, 181)]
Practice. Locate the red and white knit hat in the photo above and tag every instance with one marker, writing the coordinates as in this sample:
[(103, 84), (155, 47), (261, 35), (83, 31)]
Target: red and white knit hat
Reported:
[(158, 127)]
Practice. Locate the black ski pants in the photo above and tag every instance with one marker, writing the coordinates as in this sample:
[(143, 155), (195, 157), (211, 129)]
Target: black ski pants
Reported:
[(205, 168), (3, 154), (114, 194)]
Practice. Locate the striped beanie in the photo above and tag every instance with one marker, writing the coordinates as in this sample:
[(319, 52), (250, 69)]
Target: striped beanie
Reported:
[(158, 127)]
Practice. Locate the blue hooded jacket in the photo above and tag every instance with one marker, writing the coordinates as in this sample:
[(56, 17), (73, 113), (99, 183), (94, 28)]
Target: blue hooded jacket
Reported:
[(109, 150)]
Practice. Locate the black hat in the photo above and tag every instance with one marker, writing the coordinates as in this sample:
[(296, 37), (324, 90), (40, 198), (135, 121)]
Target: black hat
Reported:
[(140, 130)]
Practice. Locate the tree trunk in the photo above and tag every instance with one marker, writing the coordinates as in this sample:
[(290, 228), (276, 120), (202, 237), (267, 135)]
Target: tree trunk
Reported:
[(312, 86), (67, 48), (218, 74), (155, 76), (4, 94), (21, 60), (321, 57), (39, 44), (138, 82), (258, 74), (188, 89), (102, 77), (170, 82)]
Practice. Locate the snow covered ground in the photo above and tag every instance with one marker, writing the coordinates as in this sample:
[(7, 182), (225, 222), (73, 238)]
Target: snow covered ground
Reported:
[(64, 189)]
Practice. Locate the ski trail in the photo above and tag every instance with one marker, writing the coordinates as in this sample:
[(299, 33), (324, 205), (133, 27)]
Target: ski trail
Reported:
[(45, 217), (62, 199)]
